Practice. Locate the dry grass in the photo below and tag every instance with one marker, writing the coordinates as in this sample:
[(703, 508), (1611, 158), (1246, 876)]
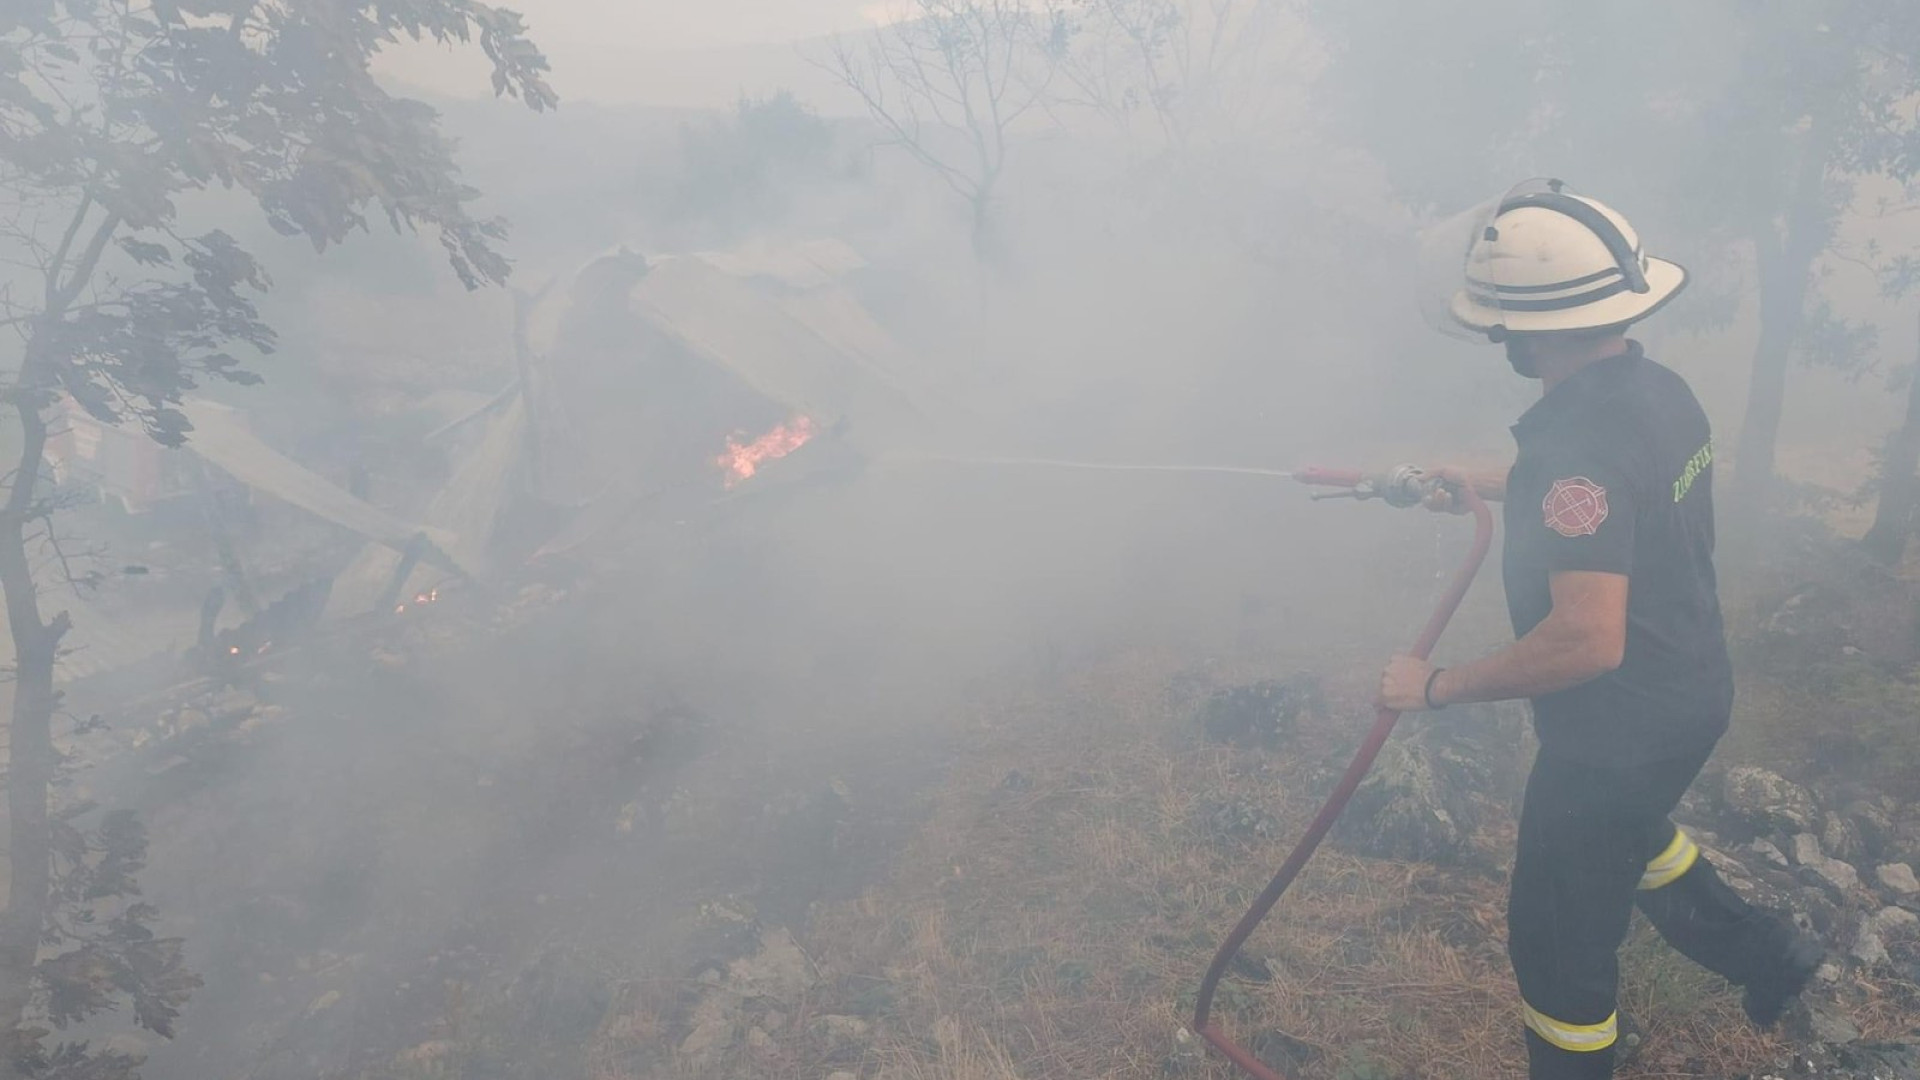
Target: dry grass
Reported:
[(629, 1036), (1055, 926)]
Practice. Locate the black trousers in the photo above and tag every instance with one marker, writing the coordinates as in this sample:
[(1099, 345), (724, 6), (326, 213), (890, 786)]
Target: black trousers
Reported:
[(1596, 840)]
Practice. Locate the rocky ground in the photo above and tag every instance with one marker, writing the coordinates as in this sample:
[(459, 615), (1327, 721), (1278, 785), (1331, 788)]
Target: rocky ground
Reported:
[(641, 889), (432, 847), (1053, 916)]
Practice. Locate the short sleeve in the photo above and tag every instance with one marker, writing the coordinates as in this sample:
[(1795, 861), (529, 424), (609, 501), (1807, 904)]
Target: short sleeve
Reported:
[(1586, 513)]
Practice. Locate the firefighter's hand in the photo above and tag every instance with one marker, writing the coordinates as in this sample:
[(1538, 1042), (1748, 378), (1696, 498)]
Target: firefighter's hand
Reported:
[(1445, 497), (1403, 686)]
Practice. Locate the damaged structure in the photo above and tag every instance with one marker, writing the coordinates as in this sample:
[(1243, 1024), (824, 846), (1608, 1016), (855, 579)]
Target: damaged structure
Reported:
[(650, 372), (644, 389)]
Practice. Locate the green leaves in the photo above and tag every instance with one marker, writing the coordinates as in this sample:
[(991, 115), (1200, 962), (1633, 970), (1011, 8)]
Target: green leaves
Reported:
[(110, 115), (1829, 341), (108, 950), (79, 1061), (1692, 117), (128, 108), (145, 253), (135, 349), (519, 68)]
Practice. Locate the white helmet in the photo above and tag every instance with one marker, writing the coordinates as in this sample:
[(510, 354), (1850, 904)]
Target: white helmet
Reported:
[(1546, 261)]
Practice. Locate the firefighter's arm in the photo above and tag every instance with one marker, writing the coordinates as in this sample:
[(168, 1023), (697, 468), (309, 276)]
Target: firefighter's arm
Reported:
[(1582, 638)]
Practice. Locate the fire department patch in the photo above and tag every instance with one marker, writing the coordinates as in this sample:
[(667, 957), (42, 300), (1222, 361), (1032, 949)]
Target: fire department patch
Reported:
[(1575, 507)]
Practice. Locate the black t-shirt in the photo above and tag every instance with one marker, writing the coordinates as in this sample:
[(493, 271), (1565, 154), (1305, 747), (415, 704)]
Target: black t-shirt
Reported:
[(1615, 474)]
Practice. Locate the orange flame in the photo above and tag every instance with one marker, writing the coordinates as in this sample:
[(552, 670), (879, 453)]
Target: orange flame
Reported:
[(742, 460)]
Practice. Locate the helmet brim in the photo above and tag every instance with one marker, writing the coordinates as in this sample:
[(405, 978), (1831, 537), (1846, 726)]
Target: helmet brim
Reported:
[(1664, 282)]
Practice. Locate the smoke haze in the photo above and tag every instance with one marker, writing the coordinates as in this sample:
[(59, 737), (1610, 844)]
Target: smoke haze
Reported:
[(649, 695)]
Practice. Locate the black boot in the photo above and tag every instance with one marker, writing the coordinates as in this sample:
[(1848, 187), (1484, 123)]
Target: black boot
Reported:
[(1768, 997)]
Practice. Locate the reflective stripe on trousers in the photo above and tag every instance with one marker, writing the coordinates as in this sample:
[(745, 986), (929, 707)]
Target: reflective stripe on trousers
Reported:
[(1595, 841), (1579, 1038), (1670, 865)]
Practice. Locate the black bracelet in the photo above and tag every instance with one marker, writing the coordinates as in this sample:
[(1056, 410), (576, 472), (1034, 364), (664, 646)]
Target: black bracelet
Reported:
[(1431, 679)]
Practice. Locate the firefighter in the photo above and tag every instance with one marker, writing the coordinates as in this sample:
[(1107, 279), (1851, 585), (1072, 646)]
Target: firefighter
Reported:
[(1609, 576)]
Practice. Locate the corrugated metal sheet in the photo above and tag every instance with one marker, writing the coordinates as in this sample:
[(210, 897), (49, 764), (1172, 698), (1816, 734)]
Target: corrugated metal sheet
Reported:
[(220, 437), (825, 359), (782, 321), (467, 509)]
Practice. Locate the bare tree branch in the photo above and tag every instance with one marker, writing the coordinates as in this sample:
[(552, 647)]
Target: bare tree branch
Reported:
[(959, 73), (78, 583), (1196, 66), (83, 269), (57, 265), (902, 125)]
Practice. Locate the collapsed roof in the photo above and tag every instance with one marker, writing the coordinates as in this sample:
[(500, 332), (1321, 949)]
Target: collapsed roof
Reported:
[(122, 460), (782, 321), (785, 322), (220, 435)]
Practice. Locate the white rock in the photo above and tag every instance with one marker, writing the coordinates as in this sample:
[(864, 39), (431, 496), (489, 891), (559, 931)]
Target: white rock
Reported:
[(843, 1030), (1899, 878), (1868, 948), (1831, 1026), (1838, 836), (779, 971), (712, 1034), (1764, 797), (1769, 854), (1893, 920), (1806, 850), (1187, 1057), (1839, 876)]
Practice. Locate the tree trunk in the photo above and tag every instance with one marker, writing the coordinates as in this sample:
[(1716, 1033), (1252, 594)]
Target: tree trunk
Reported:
[(31, 756), (986, 238), (1886, 541), (1784, 263), (982, 234), (1782, 304)]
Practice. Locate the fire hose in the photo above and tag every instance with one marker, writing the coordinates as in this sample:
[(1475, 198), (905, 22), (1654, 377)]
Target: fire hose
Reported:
[(1404, 486)]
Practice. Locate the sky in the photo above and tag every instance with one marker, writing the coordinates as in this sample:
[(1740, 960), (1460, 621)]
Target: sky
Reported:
[(687, 24), (683, 53)]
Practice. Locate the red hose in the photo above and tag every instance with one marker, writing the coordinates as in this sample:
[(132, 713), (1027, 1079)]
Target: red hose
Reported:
[(1383, 724), (1324, 477)]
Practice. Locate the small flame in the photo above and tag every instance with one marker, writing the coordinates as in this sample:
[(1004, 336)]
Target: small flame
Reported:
[(233, 650), (419, 600), (742, 460)]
